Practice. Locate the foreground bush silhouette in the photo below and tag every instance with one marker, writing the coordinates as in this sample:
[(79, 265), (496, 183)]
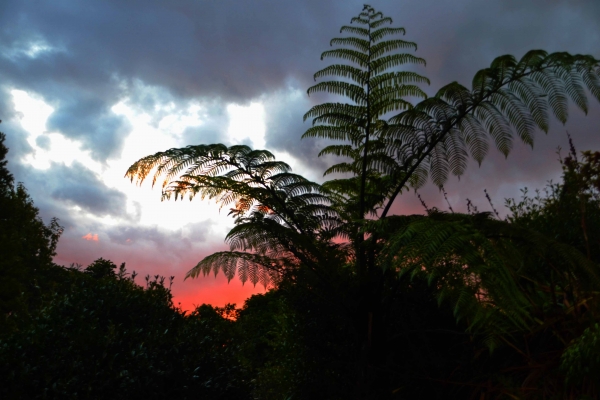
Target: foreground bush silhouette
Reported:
[(366, 304), (101, 336)]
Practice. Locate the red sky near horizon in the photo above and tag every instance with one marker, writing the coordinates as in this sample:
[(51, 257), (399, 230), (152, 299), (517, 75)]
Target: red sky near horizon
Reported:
[(187, 294), (77, 116), (191, 293)]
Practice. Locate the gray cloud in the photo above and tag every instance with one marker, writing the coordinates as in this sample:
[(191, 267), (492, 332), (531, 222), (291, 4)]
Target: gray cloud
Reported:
[(227, 49), (189, 234), (93, 123), (77, 186), (284, 127), (237, 51), (83, 57), (214, 124), (43, 142), (15, 134)]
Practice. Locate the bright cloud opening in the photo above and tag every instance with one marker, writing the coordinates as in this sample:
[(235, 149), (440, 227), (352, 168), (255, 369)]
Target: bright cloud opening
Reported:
[(34, 114), (247, 123)]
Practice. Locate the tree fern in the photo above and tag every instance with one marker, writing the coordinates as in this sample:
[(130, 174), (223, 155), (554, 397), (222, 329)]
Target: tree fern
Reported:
[(278, 214), (500, 277), (373, 90), (493, 272), (509, 96), (252, 267)]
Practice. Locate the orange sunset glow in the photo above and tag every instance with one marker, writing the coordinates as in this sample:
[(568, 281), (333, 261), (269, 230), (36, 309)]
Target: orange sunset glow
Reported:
[(300, 200)]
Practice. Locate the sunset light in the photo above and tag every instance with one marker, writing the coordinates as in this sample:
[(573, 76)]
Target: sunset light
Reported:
[(301, 200), (191, 221)]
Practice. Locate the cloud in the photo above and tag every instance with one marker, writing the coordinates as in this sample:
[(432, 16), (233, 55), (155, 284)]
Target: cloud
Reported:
[(178, 65), (189, 47), (191, 234), (284, 123), (90, 121), (77, 186), (239, 51), (89, 236)]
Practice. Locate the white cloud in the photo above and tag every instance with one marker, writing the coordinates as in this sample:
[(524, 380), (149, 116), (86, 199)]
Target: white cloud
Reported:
[(143, 203), (31, 49), (247, 123), (34, 113)]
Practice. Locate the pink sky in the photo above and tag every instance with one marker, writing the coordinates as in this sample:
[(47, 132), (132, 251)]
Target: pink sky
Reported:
[(90, 87)]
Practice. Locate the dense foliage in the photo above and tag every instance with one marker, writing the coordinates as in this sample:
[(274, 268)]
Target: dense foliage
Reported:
[(26, 244), (104, 337), (364, 303)]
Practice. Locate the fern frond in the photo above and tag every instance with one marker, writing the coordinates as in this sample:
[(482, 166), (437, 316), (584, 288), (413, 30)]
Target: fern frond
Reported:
[(359, 20), (355, 30), (377, 50), (375, 24), (395, 92), (347, 71), (383, 32), (353, 92), (320, 110), (530, 94), (388, 105), (248, 266), (340, 150), (332, 132), (397, 78), (347, 54), (360, 44), (438, 165), (474, 137), (454, 148), (341, 168), (496, 125), (509, 94), (250, 179), (393, 60)]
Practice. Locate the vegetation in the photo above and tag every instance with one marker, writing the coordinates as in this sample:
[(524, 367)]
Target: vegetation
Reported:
[(26, 245), (101, 336), (364, 303)]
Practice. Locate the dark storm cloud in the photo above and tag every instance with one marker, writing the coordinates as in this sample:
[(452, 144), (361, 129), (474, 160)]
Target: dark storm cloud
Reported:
[(192, 233), (91, 122), (238, 50), (84, 57), (77, 185), (92, 52), (284, 127), (229, 49)]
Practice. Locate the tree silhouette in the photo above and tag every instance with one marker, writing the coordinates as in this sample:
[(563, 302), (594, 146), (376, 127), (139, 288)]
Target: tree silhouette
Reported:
[(286, 224), (27, 245)]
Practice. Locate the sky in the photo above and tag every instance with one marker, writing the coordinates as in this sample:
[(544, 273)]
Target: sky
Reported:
[(89, 87)]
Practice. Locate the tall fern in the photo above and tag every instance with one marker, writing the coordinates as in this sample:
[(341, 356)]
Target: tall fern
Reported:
[(368, 78), (279, 215), (437, 136), (284, 218)]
